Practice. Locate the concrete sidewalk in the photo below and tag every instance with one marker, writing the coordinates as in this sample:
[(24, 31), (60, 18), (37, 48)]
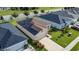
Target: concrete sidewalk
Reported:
[(72, 44), (51, 45)]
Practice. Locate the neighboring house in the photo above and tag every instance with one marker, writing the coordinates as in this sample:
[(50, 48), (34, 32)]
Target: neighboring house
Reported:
[(55, 20), (11, 39), (67, 16), (21, 17), (33, 28), (76, 10), (76, 25), (73, 11), (4, 8), (7, 17)]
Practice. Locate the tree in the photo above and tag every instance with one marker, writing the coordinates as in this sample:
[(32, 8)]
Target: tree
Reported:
[(14, 8), (24, 8), (42, 11), (78, 19), (33, 8), (35, 12), (1, 18), (14, 14), (65, 30), (26, 13)]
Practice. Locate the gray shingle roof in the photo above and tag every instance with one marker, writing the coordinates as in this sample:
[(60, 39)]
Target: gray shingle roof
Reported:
[(63, 13), (51, 17), (12, 29), (76, 9), (8, 37)]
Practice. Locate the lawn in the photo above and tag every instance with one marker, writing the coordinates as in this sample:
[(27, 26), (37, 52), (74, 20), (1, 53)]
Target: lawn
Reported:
[(64, 40), (13, 22), (76, 47), (10, 12)]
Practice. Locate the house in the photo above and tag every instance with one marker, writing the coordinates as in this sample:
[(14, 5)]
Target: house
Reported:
[(73, 11), (4, 8), (76, 25), (20, 17), (11, 39), (55, 20), (34, 28), (67, 16), (7, 17)]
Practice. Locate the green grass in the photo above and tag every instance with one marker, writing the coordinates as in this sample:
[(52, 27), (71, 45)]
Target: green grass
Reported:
[(10, 12), (64, 40), (13, 22), (76, 47)]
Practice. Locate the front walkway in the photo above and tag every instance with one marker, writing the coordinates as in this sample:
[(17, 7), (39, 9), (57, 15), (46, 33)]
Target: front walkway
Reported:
[(72, 44), (51, 45)]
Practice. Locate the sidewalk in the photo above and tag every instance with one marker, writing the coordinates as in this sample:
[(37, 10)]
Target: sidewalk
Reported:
[(51, 45), (72, 44)]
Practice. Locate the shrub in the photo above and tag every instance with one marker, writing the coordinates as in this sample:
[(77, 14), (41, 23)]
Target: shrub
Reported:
[(15, 15), (35, 12), (42, 11), (25, 46), (26, 13)]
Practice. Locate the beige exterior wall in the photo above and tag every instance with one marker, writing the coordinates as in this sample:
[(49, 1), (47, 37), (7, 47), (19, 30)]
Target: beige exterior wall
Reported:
[(38, 36)]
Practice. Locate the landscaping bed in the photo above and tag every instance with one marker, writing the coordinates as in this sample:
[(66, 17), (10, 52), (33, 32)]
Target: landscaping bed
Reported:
[(64, 40), (36, 46)]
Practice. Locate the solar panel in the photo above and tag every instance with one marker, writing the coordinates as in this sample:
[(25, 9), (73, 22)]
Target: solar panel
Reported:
[(27, 25), (30, 29)]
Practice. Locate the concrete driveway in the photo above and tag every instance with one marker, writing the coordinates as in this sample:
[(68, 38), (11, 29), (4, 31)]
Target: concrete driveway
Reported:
[(51, 45)]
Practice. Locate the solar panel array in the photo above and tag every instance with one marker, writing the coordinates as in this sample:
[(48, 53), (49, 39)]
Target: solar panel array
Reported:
[(28, 26)]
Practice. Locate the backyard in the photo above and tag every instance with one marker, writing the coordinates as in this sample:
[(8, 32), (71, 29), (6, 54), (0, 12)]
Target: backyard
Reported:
[(64, 40), (76, 47)]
